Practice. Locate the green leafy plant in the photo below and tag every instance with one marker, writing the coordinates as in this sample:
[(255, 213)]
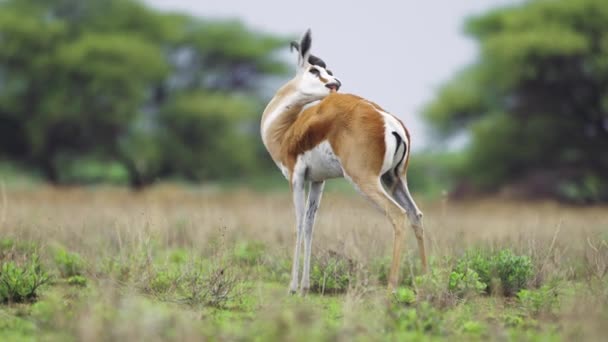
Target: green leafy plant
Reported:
[(421, 318), (503, 270), (331, 273), (466, 284), (20, 283), (69, 264), (404, 295), (77, 280), (538, 301)]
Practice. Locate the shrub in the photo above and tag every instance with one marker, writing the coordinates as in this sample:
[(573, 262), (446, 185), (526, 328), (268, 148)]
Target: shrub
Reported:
[(477, 261), (20, 283), (539, 301), (433, 287), (77, 280), (213, 286), (404, 295), (69, 264), (466, 284), (509, 271), (331, 273), (421, 318), (514, 271)]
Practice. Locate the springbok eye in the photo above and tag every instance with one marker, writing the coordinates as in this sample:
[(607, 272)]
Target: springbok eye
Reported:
[(329, 72), (314, 71)]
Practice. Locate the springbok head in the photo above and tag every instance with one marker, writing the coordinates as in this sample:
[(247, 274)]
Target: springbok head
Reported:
[(312, 79)]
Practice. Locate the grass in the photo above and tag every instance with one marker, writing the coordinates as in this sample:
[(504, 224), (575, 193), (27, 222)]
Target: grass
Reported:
[(173, 263)]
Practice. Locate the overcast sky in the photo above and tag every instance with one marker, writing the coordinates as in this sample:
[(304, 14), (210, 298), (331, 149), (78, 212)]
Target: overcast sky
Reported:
[(395, 53)]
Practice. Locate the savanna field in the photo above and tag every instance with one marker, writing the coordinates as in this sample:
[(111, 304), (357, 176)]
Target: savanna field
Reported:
[(178, 264)]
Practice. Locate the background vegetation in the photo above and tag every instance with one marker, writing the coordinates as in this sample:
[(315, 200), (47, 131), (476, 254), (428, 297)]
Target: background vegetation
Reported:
[(109, 90), (535, 104), (113, 92)]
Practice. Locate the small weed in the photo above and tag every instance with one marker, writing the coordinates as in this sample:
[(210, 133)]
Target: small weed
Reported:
[(466, 284), (69, 264), (539, 301), (433, 287), (473, 327), (20, 283), (421, 318), (404, 295), (77, 280), (514, 271), (505, 271), (331, 273)]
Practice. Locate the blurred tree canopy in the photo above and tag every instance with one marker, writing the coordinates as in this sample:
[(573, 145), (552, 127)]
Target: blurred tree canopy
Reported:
[(115, 84), (536, 101)]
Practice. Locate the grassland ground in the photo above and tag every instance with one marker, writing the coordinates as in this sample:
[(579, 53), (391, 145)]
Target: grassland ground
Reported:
[(175, 263)]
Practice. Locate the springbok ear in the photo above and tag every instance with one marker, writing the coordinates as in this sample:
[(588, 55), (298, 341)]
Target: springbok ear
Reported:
[(304, 49)]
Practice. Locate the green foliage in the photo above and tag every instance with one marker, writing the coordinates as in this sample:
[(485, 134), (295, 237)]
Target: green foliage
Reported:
[(479, 271), (538, 301), (514, 271), (331, 273), (69, 264), (466, 284), (249, 253), (541, 76), (421, 318), (145, 93), (77, 280), (404, 295), (21, 282)]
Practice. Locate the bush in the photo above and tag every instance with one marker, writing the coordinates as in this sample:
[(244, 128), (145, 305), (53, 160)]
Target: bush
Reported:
[(331, 273), (514, 271), (508, 271), (479, 262), (404, 295), (539, 301), (466, 284), (421, 318), (77, 280), (69, 264), (20, 283)]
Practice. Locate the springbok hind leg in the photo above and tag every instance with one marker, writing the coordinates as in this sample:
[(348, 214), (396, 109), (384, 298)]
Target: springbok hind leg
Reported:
[(404, 198), (375, 192)]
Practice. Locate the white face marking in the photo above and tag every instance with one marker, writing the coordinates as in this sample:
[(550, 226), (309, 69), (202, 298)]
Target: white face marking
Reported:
[(311, 85)]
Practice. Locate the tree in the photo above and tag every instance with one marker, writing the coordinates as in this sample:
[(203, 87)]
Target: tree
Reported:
[(116, 82), (536, 102)]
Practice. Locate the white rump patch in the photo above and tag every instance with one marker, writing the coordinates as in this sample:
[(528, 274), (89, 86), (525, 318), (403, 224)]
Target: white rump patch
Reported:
[(393, 153)]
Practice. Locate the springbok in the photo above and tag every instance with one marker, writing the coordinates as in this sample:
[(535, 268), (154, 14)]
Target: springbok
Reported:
[(313, 133)]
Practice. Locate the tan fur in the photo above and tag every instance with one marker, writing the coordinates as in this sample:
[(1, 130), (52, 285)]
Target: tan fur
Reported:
[(353, 127)]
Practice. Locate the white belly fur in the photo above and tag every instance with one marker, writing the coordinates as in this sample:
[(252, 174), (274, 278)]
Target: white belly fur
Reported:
[(321, 162)]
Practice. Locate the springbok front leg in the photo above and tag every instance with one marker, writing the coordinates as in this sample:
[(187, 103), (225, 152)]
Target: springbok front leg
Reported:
[(404, 198), (314, 200), (299, 195)]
